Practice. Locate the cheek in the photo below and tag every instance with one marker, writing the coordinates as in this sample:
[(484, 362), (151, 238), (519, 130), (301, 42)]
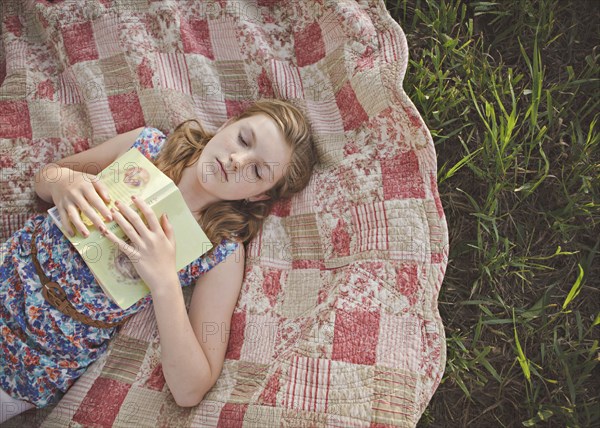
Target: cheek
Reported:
[(271, 181), (205, 170)]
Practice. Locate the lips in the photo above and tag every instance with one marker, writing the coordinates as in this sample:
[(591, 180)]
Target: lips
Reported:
[(223, 169)]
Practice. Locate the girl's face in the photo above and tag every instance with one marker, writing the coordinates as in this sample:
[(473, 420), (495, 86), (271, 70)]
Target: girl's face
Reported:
[(244, 159)]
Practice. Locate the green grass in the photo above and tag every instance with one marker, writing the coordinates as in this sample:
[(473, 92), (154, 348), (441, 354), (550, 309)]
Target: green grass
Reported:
[(510, 91)]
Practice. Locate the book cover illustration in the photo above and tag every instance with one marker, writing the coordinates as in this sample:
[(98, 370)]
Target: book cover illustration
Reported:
[(133, 174)]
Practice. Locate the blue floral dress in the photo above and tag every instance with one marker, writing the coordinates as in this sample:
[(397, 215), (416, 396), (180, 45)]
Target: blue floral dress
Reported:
[(43, 351)]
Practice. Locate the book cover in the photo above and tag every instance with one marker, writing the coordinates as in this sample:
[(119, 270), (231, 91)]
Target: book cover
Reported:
[(133, 174)]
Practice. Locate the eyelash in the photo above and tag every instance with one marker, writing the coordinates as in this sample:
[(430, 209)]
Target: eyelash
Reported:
[(246, 145)]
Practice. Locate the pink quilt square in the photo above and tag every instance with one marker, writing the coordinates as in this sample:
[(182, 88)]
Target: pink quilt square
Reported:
[(195, 36), (371, 226), (13, 25), (236, 336), (353, 114), (269, 394), (173, 72), (407, 281), (267, 3), (225, 39), (157, 380), (400, 343), (436, 196), (79, 42), (391, 46), (126, 111), (265, 88), (2, 72), (281, 208), (14, 119), (325, 116), (232, 415), (307, 384), (212, 111), (236, 107), (95, 409), (145, 73), (287, 82), (261, 330), (106, 34), (401, 177), (355, 337), (309, 45)]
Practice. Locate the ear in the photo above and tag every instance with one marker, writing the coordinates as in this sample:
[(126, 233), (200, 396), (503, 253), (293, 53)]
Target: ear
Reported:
[(260, 197)]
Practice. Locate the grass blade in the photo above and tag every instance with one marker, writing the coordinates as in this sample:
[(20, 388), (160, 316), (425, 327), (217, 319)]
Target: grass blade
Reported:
[(575, 289), (521, 358)]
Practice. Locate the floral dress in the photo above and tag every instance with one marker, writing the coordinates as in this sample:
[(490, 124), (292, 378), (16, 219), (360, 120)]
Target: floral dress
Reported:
[(43, 351)]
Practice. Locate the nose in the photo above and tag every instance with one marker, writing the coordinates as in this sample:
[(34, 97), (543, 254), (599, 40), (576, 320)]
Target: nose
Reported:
[(240, 160)]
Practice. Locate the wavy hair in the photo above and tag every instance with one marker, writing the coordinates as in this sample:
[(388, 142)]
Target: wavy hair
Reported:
[(241, 220)]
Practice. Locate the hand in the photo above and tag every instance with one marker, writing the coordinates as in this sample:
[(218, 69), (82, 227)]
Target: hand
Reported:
[(75, 191), (152, 248)]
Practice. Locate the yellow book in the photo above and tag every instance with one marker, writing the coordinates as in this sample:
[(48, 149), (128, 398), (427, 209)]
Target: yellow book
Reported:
[(133, 174)]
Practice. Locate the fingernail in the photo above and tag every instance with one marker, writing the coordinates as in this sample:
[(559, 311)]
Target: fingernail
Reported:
[(71, 233), (133, 197)]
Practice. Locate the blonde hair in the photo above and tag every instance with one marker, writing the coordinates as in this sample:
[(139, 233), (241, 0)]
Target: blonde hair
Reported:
[(241, 220)]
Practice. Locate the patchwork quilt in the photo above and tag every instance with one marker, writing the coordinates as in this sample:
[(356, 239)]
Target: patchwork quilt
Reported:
[(337, 322)]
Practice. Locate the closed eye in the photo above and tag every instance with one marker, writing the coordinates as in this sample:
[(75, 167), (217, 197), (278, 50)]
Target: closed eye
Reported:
[(243, 142)]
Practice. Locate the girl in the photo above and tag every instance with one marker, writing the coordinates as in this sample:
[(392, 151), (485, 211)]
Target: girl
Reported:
[(229, 181)]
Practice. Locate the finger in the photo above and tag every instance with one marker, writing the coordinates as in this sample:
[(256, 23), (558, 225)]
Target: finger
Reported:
[(102, 191), (91, 213), (168, 229), (75, 218), (147, 212), (125, 226), (64, 219), (132, 217), (96, 201), (128, 249)]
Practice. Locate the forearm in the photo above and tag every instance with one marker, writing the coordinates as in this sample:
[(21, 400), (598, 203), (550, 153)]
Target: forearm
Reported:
[(185, 366)]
